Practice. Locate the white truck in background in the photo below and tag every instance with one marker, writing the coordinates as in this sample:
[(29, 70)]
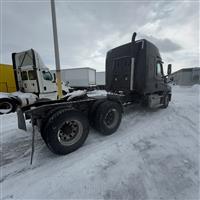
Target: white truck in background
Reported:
[(101, 80), (34, 82), (79, 78), (83, 78)]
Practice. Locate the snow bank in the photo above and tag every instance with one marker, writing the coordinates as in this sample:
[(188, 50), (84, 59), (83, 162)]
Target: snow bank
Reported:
[(17, 94), (3, 95), (153, 155), (193, 88), (23, 95)]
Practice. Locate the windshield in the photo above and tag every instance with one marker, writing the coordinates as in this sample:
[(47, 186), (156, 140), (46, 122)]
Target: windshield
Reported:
[(47, 76)]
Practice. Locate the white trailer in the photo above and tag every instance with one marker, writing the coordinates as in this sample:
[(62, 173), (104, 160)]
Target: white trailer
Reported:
[(100, 78), (79, 77)]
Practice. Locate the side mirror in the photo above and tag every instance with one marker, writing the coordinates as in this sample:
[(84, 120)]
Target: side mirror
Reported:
[(54, 78), (67, 83), (169, 69)]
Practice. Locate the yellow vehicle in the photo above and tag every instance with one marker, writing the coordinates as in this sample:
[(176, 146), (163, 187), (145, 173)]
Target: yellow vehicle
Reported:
[(7, 78)]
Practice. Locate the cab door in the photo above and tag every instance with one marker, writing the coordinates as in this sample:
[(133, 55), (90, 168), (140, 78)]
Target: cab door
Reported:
[(48, 84), (33, 82), (159, 76), (24, 81), (29, 81)]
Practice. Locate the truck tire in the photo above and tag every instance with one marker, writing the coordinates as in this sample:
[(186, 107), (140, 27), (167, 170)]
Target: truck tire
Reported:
[(108, 117), (165, 101), (7, 106), (93, 112), (66, 131), (45, 120)]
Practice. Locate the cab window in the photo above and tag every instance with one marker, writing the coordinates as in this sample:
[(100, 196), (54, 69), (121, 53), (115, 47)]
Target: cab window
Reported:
[(24, 75), (32, 75), (159, 69), (47, 76)]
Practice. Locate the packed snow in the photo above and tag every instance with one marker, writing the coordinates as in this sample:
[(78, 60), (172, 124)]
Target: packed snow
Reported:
[(19, 94), (97, 92), (74, 94), (3, 95), (153, 155)]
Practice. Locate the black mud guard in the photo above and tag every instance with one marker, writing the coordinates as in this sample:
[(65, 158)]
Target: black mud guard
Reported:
[(21, 120), (116, 98)]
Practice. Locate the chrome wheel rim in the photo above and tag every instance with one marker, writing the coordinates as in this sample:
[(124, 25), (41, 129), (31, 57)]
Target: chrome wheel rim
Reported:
[(70, 132)]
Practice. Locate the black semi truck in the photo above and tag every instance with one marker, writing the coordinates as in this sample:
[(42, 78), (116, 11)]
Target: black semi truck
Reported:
[(134, 75)]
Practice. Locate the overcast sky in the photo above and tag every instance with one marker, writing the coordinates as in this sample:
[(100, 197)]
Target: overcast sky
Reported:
[(88, 29)]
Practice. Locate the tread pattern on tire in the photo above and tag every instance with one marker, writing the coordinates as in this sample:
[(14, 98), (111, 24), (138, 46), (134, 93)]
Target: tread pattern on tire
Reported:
[(12, 102), (46, 119), (51, 129), (101, 111), (93, 112)]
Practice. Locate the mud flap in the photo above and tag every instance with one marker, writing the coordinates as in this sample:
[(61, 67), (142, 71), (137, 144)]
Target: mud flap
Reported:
[(21, 120)]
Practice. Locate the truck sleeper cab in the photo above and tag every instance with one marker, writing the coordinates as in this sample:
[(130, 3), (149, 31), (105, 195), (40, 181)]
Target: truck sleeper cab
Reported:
[(134, 74), (135, 69)]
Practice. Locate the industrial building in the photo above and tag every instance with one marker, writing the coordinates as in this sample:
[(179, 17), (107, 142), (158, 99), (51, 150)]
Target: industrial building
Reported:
[(186, 76)]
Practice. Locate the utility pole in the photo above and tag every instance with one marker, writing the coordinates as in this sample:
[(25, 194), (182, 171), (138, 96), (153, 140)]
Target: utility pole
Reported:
[(56, 49)]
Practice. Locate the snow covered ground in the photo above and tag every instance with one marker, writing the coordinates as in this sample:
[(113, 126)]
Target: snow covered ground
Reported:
[(153, 155)]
